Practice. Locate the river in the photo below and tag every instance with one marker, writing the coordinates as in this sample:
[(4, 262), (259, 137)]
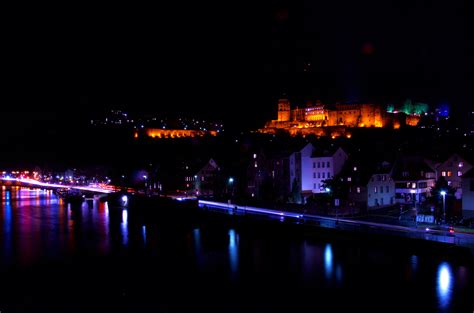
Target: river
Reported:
[(93, 257)]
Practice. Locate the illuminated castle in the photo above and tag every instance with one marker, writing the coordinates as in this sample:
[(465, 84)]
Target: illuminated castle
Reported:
[(322, 119)]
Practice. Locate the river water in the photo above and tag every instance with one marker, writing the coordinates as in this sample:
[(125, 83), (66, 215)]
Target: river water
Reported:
[(94, 257)]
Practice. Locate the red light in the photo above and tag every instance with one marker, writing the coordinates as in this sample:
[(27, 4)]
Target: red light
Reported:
[(451, 230)]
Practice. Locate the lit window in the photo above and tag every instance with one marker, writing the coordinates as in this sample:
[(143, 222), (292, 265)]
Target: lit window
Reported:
[(358, 189), (349, 178), (459, 173), (449, 173), (254, 155), (375, 190), (256, 164), (461, 164), (413, 185), (443, 173), (355, 168)]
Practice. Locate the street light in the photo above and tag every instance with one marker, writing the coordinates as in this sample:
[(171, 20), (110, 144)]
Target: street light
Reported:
[(443, 193)]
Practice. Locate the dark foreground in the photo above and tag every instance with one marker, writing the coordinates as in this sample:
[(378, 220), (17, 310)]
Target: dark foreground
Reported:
[(100, 258)]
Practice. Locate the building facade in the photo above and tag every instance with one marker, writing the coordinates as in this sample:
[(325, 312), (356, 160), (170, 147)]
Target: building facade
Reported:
[(315, 118), (452, 170), (310, 167), (380, 190), (413, 180), (468, 194)]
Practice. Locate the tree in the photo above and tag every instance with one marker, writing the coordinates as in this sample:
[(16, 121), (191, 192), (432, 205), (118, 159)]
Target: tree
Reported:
[(441, 185), (295, 192), (337, 187)]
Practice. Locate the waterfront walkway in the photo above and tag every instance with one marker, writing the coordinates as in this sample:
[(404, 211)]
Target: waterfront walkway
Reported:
[(417, 232)]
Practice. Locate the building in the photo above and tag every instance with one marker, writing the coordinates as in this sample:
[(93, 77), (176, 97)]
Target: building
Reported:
[(325, 164), (256, 173), (333, 119), (380, 190), (452, 170), (468, 194), (413, 180), (369, 185), (310, 167), (205, 182)]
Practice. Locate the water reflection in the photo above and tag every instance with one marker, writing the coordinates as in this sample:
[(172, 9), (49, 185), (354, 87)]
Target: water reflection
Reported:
[(124, 227), (328, 263), (7, 224), (233, 251), (36, 223), (444, 285)]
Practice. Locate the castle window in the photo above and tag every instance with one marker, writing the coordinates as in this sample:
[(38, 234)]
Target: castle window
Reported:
[(449, 173), (314, 175), (319, 175), (375, 190), (443, 173), (329, 175), (358, 189), (328, 165), (319, 164), (386, 189), (349, 178), (324, 174), (459, 173), (322, 165), (314, 164)]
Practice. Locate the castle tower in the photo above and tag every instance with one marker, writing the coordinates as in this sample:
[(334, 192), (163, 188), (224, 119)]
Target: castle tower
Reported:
[(283, 110)]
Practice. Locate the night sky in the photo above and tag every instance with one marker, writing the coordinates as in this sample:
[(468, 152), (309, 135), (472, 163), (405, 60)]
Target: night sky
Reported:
[(234, 59)]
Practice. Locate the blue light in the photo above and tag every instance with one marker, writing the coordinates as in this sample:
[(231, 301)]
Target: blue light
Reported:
[(444, 285), (124, 200), (231, 180), (124, 227), (328, 262), (233, 251), (144, 233)]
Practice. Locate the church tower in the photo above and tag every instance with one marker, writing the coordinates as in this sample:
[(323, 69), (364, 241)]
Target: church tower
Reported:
[(283, 110)]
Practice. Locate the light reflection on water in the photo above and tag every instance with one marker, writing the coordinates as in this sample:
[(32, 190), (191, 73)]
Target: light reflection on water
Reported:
[(233, 251), (328, 262), (444, 285), (36, 224), (124, 227)]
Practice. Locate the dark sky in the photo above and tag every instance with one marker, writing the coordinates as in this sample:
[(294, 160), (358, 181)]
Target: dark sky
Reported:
[(234, 59)]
